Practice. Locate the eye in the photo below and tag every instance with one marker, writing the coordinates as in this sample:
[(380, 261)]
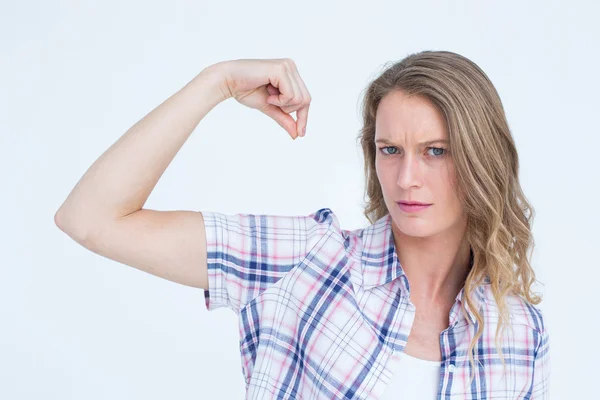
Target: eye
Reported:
[(437, 151), (381, 149)]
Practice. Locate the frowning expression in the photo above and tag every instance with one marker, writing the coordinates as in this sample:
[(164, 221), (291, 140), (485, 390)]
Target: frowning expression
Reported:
[(413, 164)]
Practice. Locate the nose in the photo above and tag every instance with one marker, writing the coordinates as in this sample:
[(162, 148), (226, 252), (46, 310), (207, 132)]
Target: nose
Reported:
[(409, 174)]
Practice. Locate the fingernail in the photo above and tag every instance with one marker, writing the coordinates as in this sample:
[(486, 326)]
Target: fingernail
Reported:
[(303, 131)]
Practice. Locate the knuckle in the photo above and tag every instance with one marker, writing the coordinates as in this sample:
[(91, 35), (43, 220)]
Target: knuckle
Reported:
[(281, 66)]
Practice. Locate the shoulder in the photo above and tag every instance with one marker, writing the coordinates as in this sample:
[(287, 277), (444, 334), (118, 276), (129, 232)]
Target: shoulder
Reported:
[(349, 238), (341, 248)]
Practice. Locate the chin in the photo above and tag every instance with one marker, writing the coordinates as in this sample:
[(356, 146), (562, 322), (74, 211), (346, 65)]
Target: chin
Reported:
[(411, 226), (418, 233)]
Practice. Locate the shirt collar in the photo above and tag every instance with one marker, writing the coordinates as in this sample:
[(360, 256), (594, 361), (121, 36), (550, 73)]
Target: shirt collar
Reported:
[(380, 261)]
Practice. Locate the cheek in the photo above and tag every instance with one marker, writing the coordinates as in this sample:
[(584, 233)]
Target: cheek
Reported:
[(383, 174), (442, 183), (447, 184)]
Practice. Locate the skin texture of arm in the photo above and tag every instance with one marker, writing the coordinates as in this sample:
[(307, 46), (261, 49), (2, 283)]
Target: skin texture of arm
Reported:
[(104, 210)]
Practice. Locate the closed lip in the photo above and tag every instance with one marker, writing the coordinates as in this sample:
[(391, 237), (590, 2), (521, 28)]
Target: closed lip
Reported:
[(414, 203)]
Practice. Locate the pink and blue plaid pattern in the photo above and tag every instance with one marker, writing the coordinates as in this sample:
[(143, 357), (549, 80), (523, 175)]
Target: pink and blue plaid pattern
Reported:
[(324, 314)]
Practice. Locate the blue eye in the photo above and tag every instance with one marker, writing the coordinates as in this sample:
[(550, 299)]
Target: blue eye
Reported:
[(386, 147), (440, 152)]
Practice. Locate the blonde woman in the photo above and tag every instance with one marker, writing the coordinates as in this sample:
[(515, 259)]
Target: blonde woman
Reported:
[(431, 300)]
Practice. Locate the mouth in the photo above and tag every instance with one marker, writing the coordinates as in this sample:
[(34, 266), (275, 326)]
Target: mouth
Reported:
[(413, 206)]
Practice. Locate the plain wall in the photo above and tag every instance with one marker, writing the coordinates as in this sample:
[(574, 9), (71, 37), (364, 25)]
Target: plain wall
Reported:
[(76, 75)]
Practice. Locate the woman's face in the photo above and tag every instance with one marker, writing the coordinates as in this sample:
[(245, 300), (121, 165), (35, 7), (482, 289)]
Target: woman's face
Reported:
[(413, 165)]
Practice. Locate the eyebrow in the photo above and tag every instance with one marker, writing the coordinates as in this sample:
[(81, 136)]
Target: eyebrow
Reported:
[(428, 142)]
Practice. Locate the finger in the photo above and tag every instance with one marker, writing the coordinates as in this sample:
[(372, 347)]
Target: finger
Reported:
[(283, 82), (284, 120), (302, 113), (297, 101), (287, 110), (272, 89), (301, 119)]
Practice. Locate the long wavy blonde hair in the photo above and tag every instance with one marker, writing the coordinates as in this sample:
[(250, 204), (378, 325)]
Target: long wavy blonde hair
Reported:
[(499, 217)]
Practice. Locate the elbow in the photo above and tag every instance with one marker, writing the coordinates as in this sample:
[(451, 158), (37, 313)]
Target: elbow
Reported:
[(68, 224)]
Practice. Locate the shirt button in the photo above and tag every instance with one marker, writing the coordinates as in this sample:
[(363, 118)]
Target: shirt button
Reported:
[(451, 368)]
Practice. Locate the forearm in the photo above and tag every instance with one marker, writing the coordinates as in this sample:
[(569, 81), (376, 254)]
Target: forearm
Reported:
[(120, 181)]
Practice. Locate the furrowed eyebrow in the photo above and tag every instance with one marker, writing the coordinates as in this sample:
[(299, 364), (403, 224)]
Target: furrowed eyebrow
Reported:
[(426, 143)]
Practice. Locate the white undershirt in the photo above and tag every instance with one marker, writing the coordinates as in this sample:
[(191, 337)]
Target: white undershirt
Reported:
[(415, 379)]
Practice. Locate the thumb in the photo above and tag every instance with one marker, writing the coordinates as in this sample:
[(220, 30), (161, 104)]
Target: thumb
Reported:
[(283, 119)]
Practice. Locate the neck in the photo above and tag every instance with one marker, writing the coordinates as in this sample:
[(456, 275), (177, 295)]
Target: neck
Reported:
[(436, 266)]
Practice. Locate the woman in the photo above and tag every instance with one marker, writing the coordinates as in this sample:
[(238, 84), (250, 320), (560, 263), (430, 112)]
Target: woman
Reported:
[(432, 300)]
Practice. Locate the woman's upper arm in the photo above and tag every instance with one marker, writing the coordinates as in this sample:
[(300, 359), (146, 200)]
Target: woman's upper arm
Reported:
[(168, 244), (232, 257)]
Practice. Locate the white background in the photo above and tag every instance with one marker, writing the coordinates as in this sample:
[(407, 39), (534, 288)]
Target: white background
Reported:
[(76, 75)]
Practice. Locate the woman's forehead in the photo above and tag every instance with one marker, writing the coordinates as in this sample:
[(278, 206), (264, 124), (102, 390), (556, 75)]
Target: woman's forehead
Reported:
[(414, 119)]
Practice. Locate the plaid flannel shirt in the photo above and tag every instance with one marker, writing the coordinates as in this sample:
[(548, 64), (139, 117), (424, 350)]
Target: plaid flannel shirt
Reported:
[(324, 314)]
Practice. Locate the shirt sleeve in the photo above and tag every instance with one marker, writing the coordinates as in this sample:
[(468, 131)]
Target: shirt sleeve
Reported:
[(246, 253), (541, 366)]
